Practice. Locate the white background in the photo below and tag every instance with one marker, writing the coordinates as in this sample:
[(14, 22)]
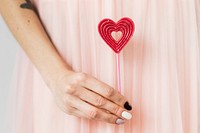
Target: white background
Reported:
[(8, 50)]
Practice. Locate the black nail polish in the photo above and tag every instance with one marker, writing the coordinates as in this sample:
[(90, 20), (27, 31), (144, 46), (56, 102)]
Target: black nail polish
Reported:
[(127, 106)]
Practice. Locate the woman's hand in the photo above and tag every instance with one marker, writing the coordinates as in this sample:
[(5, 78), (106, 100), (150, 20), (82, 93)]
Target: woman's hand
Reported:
[(75, 93), (84, 96)]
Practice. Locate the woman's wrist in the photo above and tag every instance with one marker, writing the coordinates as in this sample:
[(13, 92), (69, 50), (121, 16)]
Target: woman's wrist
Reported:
[(52, 71)]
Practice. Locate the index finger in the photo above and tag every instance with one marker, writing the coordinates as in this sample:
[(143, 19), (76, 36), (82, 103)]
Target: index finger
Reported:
[(106, 91)]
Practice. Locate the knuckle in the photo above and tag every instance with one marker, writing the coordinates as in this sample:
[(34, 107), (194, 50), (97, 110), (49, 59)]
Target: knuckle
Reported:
[(111, 119), (121, 100), (109, 92), (115, 109), (67, 101), (81, 76), (68, 111), (100, 101), (70, 89), (93, 114)]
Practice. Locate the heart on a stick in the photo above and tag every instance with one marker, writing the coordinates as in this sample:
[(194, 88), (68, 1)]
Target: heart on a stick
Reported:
[(107, 27)]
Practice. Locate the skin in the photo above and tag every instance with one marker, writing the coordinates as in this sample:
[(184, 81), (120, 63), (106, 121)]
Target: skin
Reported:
[(75, 93)]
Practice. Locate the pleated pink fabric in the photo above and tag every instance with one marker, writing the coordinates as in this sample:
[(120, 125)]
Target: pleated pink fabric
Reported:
[(160, 66)]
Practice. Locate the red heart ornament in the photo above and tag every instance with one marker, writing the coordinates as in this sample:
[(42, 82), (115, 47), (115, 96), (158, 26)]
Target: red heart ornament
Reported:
[(125, 26)]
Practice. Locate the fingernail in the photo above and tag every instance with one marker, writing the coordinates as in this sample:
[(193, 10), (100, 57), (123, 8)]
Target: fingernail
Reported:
[(126, 115), (120, 121), (127, 106)]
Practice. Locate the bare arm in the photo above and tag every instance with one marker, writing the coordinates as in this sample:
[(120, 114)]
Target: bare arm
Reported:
[(77, 94), (28, 30)]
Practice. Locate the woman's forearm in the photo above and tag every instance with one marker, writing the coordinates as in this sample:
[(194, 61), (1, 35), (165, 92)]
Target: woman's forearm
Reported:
[(28, 30), (77, 93)]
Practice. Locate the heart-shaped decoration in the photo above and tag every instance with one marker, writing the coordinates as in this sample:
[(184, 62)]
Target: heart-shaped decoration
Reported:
[(107, 26)]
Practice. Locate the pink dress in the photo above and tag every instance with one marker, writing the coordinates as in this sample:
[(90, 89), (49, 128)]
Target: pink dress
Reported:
[(160, 66)]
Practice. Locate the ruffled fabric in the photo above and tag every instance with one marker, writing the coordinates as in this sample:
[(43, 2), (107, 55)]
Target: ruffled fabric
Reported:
[(160, 66)]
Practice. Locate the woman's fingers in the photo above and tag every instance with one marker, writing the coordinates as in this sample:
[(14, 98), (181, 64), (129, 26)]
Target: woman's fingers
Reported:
[(105, 117), (106, 91), (101, 102), (86, 110), (85, 96)]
